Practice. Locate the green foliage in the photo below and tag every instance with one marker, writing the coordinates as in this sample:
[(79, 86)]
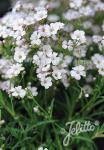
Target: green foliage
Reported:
[(25, 129)]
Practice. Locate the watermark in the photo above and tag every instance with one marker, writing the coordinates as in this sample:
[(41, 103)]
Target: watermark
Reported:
[(76, 127)]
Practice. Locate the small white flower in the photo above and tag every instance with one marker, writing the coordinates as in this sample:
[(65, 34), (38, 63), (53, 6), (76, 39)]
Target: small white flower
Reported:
[(47, 50), (101, 71), (19, 56), (14, 70), (65, 80), (53, 18), (54, 27), (80, 51), (98, 61), (33, 90), (46, 82), (50, 30), (35, 38), (18, 92), (44, 30), (79, 36), (67, 45), (75, 3), (6, 85), (36, 109), (41, 148), (86, 95), (96, 38), (57, 73), (2, 122), (41, 13), (55, 59), (77, 72), (67, 60)]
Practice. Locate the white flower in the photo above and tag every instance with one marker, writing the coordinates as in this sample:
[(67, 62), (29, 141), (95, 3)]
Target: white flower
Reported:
[(98, 61), (1, 123), (33, 90), (53, 18), (41, 13), (50, 30), (77, 72), (46, 82), (101, 71), (54, 27), (75, 3), (67, 60), (67, 45), (36, 59), (6, 85), (14, 70), (80, 51), (55, 59), (41, 148), (35, 38), (57, 73), (36, 109), (44, 30), (71, 14), (79, 36), (19, 56), (65, 80), (18, 92), (96, 38), (47, 50)]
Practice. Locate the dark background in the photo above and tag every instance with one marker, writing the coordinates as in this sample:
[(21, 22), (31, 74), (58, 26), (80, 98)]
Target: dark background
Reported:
[(5, 6)]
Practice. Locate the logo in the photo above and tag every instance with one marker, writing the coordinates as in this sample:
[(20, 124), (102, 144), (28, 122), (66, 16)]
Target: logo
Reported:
[(75, 128)]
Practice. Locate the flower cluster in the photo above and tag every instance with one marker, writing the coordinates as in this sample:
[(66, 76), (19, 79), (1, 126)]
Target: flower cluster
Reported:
[(77, 72), (45, 31), (50, 64), (77, 44), (80, 8), (36, 41)]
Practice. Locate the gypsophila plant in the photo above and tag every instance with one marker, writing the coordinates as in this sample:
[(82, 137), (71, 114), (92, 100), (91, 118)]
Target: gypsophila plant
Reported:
[(51, 73)]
